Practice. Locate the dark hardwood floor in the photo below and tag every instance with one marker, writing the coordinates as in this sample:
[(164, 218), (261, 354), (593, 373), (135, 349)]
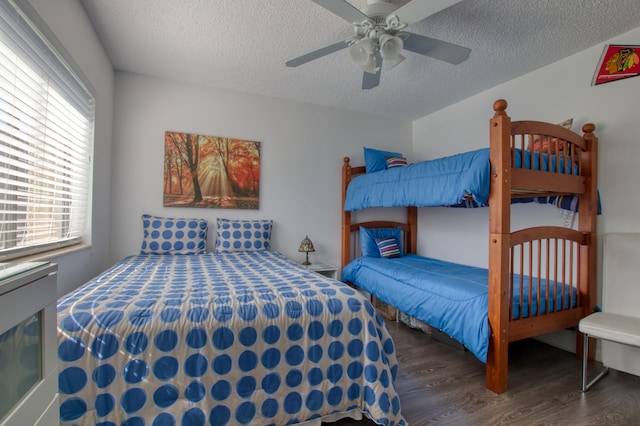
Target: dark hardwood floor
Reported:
[(441, 385)]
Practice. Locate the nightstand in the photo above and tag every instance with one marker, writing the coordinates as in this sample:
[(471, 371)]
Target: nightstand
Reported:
[(325, 269)]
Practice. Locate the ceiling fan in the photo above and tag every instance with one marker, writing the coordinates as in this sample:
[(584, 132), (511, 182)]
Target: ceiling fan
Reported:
[(380, 36)]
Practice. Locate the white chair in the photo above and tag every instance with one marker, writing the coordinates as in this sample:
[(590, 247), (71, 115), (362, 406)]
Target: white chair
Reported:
[(618, 321)]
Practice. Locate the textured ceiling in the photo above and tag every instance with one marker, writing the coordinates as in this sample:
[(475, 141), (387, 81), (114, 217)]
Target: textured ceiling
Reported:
[(243, 45)]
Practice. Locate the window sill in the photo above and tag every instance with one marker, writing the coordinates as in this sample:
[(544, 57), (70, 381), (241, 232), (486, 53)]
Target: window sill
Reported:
[(48, 255)]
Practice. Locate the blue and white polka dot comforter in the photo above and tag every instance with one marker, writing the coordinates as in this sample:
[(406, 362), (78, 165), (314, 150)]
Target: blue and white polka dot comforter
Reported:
[(221, 339)]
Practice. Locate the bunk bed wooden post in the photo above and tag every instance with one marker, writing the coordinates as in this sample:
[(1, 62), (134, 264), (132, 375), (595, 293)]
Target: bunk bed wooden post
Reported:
[(412, 233), (588, 208), (346, 216), (499, 248)]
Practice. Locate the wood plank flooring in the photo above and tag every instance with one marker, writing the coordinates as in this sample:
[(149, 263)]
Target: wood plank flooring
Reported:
[(441, 385)]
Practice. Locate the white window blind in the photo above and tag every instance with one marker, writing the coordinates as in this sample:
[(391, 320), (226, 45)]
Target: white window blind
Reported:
[(46, 138)]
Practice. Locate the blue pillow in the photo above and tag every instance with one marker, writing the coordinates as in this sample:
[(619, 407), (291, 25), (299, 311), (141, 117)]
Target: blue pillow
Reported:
[(368, 236), (168, 235), (243, 235), (375, 159), (388, 247)]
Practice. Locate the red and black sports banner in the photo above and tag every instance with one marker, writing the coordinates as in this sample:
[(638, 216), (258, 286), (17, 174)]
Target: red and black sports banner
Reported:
[(617, 62)]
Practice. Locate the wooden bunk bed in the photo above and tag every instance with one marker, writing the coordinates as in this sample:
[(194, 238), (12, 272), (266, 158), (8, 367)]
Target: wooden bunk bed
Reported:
[(524, 257)]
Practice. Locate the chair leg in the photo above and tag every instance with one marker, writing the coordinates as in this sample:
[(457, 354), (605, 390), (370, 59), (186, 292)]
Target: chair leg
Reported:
[(585, 359)]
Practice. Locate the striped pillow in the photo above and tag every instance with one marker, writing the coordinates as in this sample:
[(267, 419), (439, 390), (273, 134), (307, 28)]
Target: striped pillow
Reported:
[(388, 247), (395, 162), (368, 237)]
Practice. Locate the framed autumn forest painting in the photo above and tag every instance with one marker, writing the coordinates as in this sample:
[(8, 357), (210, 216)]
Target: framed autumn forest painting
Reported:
[(210, 171)]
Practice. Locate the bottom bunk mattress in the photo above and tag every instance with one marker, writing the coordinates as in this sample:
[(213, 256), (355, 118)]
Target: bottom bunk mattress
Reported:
[(233, 338), (448, 296)]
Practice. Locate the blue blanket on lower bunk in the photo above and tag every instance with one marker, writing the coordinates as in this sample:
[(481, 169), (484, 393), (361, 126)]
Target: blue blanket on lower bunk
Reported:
[(448, 296)]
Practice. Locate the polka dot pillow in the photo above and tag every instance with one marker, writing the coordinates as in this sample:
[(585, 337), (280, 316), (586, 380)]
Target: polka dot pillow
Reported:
[(243, 235), (168, 235)]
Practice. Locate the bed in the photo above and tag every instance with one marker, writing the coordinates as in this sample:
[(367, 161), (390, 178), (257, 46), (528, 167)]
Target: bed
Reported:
[(240, 337), (538, 279)]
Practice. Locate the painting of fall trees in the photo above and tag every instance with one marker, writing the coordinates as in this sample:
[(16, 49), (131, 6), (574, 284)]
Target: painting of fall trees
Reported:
[(211, 171)]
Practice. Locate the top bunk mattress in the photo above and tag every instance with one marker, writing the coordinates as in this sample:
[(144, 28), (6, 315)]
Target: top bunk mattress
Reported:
[(461, 180), (440, 182)]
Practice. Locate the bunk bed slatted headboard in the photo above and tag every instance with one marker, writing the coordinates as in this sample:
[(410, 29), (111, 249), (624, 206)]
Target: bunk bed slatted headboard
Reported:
[(556, 154), (546, 159), (544, 278)]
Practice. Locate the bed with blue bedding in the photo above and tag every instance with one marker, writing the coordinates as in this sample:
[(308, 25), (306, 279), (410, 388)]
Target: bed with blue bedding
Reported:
[(449, 296), (538, 280), (226, 339)]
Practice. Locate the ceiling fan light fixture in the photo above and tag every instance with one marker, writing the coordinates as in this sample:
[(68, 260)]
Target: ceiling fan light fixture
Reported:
[(390, 47), (368, 63), (361, 50), (370, 66), (362, 53)]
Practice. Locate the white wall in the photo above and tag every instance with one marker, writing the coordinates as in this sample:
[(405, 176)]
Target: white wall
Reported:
[(302, 147), (554, 93), (70, 24)]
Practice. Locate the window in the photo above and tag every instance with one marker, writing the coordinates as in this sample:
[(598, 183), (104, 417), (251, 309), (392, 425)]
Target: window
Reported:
[(46, 137)]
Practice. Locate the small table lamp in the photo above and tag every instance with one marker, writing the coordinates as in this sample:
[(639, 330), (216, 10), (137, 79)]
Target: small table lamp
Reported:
[(306, 246)]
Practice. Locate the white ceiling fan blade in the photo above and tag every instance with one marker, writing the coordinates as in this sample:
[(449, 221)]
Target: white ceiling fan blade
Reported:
[(417, 10), (393, 62), (318, 53), (435, 48), (369, 81), (344, 10)]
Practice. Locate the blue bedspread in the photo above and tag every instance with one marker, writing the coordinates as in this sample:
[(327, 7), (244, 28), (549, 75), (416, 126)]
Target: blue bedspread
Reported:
[(440, 182), (224, 339), (461, 180), (448, 296)]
